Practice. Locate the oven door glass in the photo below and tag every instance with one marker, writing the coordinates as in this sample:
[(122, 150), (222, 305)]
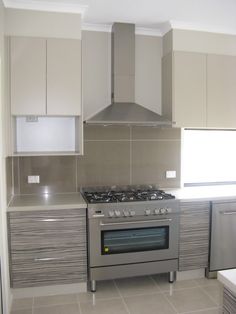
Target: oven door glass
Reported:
[(134, 240)]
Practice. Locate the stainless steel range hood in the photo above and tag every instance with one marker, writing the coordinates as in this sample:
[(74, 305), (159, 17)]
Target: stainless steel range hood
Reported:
[(123, 109)]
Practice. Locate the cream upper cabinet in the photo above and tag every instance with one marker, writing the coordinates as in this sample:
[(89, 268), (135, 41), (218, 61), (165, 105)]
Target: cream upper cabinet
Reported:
[(45, 76), (184, 88), (28, 76), (63, 77), (221, 91)]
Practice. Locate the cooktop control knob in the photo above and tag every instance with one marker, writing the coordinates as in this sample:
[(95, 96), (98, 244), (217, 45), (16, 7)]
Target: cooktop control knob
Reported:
[(117, 213), (147, 212), (111, 213), (132, 213), (156, 211), (162, 211), (126, 213)]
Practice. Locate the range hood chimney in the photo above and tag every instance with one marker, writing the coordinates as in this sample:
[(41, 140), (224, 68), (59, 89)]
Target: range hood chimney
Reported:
[(123, 109)]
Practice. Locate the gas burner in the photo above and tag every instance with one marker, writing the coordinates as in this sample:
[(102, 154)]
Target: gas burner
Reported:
[(126, 196)]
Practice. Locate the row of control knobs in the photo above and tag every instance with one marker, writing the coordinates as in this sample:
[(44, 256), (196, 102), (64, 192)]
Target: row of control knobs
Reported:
[(131, 213)]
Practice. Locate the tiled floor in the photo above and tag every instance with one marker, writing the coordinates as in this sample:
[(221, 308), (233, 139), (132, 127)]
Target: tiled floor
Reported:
[(141, 295)]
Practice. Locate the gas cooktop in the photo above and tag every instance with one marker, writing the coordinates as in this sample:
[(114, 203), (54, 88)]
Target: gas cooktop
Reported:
[(139, 195)]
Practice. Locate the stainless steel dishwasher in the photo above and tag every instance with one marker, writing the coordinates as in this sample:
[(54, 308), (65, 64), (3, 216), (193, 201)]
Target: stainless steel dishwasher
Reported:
[(223, 236)]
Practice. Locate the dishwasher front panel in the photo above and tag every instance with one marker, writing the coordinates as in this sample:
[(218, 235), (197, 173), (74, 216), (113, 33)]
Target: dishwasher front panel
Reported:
[(223, 236)]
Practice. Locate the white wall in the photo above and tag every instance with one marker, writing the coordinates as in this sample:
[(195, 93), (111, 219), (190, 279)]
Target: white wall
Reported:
[(3, 225), (42, 24), (96, 56)]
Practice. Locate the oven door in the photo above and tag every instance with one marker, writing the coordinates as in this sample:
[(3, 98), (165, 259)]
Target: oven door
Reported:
[(124, 241)]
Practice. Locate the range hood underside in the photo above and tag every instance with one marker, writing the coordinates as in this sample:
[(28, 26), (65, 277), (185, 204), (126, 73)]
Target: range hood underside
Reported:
[(128, 114)]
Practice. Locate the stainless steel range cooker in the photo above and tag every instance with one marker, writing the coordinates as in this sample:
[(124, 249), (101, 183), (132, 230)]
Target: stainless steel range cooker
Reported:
[(132, 231)]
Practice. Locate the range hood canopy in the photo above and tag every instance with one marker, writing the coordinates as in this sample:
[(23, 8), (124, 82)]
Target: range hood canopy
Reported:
[(123, 109)]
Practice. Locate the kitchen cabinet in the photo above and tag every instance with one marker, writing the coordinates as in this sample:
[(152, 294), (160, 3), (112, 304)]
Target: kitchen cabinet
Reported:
[(184, 88), (45, 76), (221, 92), (194, 235), (47, 247), (28, 76)]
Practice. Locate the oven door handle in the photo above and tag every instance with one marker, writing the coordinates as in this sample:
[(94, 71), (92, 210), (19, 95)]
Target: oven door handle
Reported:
[(134, 222)]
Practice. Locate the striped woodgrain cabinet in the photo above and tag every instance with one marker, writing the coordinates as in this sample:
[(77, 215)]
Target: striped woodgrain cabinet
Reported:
[(194, 235), (47, 247)]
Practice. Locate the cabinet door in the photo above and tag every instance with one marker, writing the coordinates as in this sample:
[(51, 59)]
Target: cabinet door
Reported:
[(63, 77), (194, 235), (28, 76), (47, 247), (221, 96), (189, 89)]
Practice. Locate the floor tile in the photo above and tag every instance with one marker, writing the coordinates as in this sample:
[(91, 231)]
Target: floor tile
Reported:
[(191, 299), (58, 309), (215, 292), (207, 282), (162, 282), (136, 285), (105, 290), (149, 304), (212, 311), (19, 304), (22, 312), (115, 306), (55, 300)]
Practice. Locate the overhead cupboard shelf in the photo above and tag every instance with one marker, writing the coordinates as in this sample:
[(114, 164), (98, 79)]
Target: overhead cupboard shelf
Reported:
[(47, 135), (45, 96)]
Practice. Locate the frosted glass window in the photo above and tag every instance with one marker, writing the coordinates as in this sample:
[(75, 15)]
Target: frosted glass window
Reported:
[(209, 156), (46, 134)]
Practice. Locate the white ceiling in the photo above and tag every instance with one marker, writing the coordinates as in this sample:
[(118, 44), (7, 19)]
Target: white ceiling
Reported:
[(207, 15)]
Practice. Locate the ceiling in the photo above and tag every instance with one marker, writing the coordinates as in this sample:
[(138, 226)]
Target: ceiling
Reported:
[(157, 15)]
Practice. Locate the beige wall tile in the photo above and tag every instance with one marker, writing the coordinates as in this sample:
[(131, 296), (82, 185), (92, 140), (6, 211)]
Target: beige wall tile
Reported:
[(92, 132), (9, 178), (57, 174), (150, 160), (149, 133), (104, 163)]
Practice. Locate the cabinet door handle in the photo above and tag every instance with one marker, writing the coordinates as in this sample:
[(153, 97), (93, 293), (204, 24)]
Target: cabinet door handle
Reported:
[(228, 212), (46, 259)]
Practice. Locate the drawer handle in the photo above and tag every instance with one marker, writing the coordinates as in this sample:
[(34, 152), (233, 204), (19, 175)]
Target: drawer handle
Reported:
[(45, 259), (50, 219), (228, 213)]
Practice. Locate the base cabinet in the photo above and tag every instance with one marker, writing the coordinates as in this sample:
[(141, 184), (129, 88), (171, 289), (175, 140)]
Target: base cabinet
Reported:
[(194, 235), (47, 247)]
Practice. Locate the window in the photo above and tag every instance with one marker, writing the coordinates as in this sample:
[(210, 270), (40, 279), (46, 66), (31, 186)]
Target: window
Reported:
[(209, 157)]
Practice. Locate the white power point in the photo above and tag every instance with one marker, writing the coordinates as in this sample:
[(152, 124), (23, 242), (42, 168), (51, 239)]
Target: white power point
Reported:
[(170, 174), (33, 179)]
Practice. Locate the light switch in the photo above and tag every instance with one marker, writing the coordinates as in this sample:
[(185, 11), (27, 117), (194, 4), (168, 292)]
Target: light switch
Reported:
[(33, 179), (170, 174)]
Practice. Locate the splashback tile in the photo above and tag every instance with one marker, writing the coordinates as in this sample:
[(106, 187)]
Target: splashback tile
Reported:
[(109, 132), (9, 178), (150, 160), (104, 163), (57, 174), (148, 133)]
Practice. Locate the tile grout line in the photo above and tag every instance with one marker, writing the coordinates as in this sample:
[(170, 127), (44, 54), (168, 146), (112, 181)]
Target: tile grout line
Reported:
[(200, 311), (79, 305), (122, 298), (165, 297), (210, 297), (130, 155), (33, 306)]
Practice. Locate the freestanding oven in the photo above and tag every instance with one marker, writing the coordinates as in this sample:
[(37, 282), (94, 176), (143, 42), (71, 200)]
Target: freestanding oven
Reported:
[(132, 232)]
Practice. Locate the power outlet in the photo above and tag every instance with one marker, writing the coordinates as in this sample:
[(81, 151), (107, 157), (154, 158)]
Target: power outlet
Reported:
[(33, 179), (170, 174)]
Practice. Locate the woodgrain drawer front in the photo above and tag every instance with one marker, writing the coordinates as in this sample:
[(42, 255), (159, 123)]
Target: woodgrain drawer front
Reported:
[(32, 230), (194, 235), (47, 247)]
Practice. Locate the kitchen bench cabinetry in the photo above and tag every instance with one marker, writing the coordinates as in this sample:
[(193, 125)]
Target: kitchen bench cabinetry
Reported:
[(45, 76), (47, 247), (184, 88), (194, 235)]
